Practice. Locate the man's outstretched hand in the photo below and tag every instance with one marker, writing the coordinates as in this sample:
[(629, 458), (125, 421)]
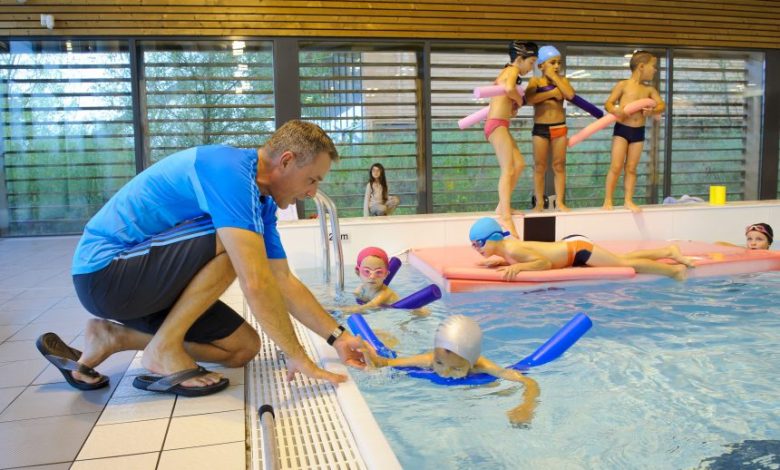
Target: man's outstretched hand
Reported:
[(305, 366), (348, 348)]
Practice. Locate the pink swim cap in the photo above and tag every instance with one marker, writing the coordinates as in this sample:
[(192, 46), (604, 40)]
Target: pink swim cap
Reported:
[(371, 251)]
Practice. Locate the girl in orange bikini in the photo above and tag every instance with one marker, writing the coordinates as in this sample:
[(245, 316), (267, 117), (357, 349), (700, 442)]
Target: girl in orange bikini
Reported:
[(522, 56)]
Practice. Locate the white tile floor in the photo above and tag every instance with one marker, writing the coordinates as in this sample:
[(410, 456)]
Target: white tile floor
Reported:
[(45, 423)]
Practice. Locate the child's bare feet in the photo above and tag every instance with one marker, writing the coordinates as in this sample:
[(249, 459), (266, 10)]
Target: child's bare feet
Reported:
[(632, 207), (607, 206), (675, 254), (680, 272), (508, 224), (562, 207), (511, 211), (539, 208)]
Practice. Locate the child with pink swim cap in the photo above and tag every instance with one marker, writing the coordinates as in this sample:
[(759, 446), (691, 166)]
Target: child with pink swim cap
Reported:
[(372, 269)]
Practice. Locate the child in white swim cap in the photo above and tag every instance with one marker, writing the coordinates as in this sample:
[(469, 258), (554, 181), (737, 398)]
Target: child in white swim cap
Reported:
[(456, 353)]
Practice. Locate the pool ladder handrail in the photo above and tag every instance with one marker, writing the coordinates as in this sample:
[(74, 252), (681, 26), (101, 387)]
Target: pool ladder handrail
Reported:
[(327, 208)]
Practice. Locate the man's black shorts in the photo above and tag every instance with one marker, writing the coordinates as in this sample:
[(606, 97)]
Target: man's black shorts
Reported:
[(141, 284)]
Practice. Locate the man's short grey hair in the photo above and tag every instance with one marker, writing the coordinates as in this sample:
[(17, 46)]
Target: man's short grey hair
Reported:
[(305, 139)]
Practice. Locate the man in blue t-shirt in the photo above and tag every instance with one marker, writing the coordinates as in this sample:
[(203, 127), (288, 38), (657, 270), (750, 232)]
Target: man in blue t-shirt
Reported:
[(156, 258)]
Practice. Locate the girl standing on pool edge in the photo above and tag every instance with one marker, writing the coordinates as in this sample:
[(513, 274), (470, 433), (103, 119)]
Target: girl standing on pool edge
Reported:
[(522, 56)]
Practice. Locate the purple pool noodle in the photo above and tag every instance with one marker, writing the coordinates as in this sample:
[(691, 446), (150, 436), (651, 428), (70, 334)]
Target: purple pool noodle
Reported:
[(420, 298), (587, 106), (392, 268)]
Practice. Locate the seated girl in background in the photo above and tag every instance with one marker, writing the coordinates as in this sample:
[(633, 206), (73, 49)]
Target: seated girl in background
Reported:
[(757, 237), (456, 353), (376, 200), (372, 268)]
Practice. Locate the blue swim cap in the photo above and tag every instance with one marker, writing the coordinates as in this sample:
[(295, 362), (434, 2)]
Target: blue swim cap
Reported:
[(486, 228), (546, 53)]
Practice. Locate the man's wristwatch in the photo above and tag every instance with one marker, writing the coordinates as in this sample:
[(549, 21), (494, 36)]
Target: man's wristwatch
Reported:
[(335, 335)]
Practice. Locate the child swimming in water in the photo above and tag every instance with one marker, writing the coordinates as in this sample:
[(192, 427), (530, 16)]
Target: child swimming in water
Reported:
[(372, 268), (757, 237), (456, 353), (573, 251)]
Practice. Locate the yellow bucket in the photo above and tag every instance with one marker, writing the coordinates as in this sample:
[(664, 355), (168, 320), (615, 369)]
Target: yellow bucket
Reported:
[(717, 195)]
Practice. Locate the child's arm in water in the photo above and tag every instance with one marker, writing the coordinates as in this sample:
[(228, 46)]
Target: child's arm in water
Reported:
[(386, 296), (524, 412), (374, 359)]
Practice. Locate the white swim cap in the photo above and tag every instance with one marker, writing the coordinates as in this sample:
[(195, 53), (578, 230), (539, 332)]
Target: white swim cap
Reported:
[(461, 335)]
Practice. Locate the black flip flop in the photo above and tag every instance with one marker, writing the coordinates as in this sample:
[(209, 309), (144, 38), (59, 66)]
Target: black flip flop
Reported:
[(171, 383), (66, 359)]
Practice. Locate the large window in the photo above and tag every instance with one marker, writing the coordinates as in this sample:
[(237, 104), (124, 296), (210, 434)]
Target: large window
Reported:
[(71, 136), (368, 102), (717, 122), (67, 133), (207, 92)]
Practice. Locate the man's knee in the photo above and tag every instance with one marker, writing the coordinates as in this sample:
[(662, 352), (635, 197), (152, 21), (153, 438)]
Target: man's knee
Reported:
[(244, 348)]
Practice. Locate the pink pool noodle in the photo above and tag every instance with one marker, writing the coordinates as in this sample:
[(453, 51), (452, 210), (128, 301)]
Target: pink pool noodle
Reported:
[(474, 118), (494, 90), (608, 119)]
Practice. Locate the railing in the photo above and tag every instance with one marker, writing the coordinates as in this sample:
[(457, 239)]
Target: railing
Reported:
[(270, 449), (326, 208)]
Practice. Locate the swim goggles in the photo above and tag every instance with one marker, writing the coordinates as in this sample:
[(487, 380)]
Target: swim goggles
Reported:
[(368, 272), (757, 228), (480, 242)]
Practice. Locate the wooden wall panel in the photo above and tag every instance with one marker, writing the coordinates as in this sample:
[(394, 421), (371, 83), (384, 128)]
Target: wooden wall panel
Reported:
[(724, 23)]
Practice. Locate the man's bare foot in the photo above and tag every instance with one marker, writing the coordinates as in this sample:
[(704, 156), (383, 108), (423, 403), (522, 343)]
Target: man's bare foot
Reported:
[(166, 359), (562, 207), (632, 207), (508, 224), (680, 272), (675, 254), (102, 338), (607, 206)]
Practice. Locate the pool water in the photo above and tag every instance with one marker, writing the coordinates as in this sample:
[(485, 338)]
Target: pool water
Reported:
[(672, 375)]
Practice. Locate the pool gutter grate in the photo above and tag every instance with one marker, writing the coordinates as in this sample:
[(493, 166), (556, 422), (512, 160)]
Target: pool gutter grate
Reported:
[(312, 431)]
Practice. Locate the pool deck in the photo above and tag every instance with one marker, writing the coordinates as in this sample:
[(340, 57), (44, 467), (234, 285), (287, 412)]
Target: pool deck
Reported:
[(46, 424)]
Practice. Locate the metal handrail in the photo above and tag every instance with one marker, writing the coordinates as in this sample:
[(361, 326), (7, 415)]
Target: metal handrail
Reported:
[(268, 426), (326, 208)]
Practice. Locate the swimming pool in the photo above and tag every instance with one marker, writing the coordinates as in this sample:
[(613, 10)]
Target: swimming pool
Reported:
[(669, 375)]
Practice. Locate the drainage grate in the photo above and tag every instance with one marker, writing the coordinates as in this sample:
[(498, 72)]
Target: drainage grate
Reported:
[(311, 429)]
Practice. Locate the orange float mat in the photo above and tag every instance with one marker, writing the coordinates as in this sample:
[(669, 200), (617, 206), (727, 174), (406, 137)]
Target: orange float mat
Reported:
[(456, 269)]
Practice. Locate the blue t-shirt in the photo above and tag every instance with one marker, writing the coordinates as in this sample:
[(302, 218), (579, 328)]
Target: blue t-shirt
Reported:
[(216, 181)]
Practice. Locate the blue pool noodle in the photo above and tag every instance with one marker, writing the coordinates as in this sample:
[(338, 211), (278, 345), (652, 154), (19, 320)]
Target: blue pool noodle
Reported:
[(552, 349), (420, 298)]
